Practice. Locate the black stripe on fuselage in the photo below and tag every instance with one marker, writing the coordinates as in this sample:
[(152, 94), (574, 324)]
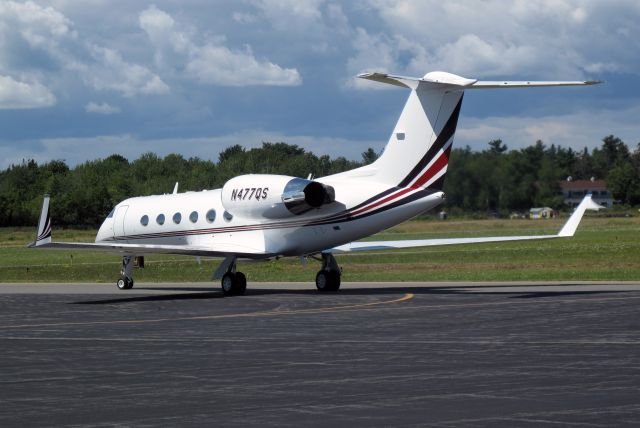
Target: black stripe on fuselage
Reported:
[(442, 138), (413, 197), (332, 218)]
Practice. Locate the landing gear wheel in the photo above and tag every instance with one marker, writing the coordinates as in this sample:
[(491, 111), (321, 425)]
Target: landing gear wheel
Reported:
[(327, 280), (125, 283), (234, 284), (228, 282), (241, 284)]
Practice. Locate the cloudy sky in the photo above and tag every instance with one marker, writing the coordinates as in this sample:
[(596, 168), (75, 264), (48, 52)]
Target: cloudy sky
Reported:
[(84, 79)]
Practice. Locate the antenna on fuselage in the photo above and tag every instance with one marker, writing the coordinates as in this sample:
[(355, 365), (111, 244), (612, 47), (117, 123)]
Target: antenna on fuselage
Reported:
[(175, 188)]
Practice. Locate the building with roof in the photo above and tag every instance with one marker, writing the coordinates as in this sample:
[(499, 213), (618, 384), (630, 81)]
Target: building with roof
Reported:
[(574, 190), (539, 213)]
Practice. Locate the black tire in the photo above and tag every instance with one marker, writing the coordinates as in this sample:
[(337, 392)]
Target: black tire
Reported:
[(335, 281), (124, 283), (322, 280), (228, 283), (240, 284), (327, 281)]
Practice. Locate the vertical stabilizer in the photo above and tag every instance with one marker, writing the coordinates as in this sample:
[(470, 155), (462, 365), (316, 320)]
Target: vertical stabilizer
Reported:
[(417, 154)]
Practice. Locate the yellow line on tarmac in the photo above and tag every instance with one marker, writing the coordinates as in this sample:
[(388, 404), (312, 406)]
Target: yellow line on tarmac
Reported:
[(407, 296)]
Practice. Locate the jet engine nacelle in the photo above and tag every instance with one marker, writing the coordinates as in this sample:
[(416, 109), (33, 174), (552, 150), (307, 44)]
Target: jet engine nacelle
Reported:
[(274, 196)]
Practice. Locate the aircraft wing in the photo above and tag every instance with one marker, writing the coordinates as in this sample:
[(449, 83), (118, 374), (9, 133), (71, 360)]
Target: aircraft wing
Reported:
[(146, 249), (567, 230)]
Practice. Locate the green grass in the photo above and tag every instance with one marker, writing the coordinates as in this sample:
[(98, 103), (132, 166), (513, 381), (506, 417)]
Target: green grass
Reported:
[(603, 249)]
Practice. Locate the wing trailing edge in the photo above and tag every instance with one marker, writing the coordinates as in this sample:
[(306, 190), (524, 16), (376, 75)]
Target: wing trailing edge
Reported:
[(567, 230)]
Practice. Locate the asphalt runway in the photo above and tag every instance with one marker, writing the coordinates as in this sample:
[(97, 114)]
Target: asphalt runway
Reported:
[(410, 354)]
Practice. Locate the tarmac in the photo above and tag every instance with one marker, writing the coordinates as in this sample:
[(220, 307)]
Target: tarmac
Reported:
[(373, 354)]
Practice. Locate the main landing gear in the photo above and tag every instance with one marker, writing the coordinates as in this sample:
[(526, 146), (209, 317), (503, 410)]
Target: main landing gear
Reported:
[(125, 282), (233, 283), (328, 279)]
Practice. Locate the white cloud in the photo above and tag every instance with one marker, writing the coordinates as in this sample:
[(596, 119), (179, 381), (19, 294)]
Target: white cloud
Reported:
[(219, 65), (547, 39), (54, 48), (112, 72), (380, 53), (244, 18), (281, 11), (41, 27), (21, 95), (102, 108), (210, 62)]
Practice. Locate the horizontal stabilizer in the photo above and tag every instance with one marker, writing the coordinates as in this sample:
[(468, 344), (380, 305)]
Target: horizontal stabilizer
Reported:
[(532, 84), (445, 80), (434, 78)]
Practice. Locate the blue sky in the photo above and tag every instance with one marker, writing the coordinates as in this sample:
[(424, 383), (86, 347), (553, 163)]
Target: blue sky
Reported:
[(84, 79)]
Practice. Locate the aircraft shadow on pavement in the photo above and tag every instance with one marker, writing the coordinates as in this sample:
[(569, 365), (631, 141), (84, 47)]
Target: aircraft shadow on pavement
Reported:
[(190, 293), (152, 298)]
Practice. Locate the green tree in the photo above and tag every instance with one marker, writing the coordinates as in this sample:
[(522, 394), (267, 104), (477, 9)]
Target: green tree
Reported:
[(369, 156), (497, 147)]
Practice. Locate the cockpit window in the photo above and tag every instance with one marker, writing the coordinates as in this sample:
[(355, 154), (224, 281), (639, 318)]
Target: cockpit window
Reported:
[(111, 213)]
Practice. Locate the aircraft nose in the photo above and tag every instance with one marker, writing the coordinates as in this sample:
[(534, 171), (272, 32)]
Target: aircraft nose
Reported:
[(105, 231)]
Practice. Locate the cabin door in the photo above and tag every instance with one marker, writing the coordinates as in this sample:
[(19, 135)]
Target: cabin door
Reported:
[(118, 221)]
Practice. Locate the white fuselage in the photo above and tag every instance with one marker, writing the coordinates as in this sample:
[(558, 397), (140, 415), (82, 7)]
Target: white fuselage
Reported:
[(361, 208)]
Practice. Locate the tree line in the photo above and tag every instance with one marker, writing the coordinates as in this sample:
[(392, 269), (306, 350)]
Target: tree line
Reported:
[(495, 179)]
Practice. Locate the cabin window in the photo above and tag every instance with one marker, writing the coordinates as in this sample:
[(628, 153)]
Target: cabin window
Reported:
[(177, 218), (144, 220), (227, 216), (211, 216), (160, 219), (193, 216)]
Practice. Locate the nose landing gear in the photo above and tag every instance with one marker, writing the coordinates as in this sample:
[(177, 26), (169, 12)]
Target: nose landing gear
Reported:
[(125, 282)]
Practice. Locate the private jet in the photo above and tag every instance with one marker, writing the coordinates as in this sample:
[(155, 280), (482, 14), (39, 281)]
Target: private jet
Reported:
[(265, 216)]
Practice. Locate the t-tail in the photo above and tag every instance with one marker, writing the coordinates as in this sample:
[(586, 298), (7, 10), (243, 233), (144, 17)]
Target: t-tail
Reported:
[(417, 154)]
